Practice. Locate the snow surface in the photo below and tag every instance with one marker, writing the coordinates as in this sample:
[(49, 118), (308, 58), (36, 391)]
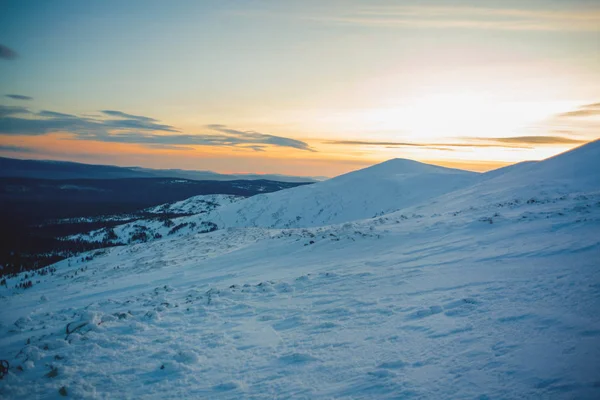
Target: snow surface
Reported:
[(196, 204), (143, 230), (488, 292), (366, 193)]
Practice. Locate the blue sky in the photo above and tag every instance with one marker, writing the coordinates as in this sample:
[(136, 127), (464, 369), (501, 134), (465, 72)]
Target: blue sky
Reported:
[(299, 85)]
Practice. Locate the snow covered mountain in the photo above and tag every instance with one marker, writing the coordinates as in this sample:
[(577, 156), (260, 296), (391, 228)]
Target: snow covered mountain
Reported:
[(551, 180), (489, 291), (366, 193)]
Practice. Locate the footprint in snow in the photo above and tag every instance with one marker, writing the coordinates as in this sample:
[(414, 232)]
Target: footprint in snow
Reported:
[(393, 365), (297, 358), (424, 313)]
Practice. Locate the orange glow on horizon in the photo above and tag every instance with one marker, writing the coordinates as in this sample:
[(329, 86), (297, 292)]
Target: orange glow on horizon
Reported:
[(329, 160)]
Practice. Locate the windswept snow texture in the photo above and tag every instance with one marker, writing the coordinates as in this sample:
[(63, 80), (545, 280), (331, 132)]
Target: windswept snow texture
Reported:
[(366, 193), (485, 293)]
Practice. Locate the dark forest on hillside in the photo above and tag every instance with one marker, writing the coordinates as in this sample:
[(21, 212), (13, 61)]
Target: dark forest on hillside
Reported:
[(35, 213)]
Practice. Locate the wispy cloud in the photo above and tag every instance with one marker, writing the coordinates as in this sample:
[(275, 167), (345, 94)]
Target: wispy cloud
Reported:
[(521, 142), (582, 122), (6, 53), (19, 97), (226, 138), (12, 110), (566, 128), (536, 140), (167, 147), (587, 110), (252, 137), (54, 114), (439, 17), (134, 129), (433, 145), (7, 148), (121, 114)]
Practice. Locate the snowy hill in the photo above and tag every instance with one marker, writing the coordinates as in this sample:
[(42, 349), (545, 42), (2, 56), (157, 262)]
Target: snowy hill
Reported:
[(366, 193), (195, 205), (576, 169), (552, 180), (471, 295), (163, 225)]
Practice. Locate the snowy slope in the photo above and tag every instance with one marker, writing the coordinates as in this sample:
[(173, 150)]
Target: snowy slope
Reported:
[(372, 191), (366, 193), (552, 180), (430, 302), (195, 205), (143, 230)]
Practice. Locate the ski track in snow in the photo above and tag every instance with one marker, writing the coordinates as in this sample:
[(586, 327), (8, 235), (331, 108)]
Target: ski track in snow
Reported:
[(484, 297)]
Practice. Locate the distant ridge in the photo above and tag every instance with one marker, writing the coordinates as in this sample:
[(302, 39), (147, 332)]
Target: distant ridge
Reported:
[(48, 169)]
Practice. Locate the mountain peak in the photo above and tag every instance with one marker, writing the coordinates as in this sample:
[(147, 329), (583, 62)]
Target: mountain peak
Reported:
[(396, 166)]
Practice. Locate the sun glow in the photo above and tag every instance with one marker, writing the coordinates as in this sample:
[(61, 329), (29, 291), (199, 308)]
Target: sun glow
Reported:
[(461, 115)]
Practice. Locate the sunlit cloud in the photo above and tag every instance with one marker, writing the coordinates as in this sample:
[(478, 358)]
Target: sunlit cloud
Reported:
[(467, 18), (158, 146), (228, 138), (134, 129), (587, 110), (581, 123), (435, 146), (536, 140), (19, 97)]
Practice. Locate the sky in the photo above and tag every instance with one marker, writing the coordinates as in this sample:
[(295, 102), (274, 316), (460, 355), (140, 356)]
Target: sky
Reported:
[(309, 88)]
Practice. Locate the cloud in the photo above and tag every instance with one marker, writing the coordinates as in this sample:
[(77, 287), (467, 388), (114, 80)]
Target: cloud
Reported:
[(137, 124), (252, 137), (121, 114), (255, 147), (128, 128), (436, 146), (457, 17), (582, 122), (7, 53), (7, 148), (5, 111), (371, 143), (167, 147), (562, 129), (18, 97), (587, 110), (536, 140), (521, 142), (54, 114), (229, 138)]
